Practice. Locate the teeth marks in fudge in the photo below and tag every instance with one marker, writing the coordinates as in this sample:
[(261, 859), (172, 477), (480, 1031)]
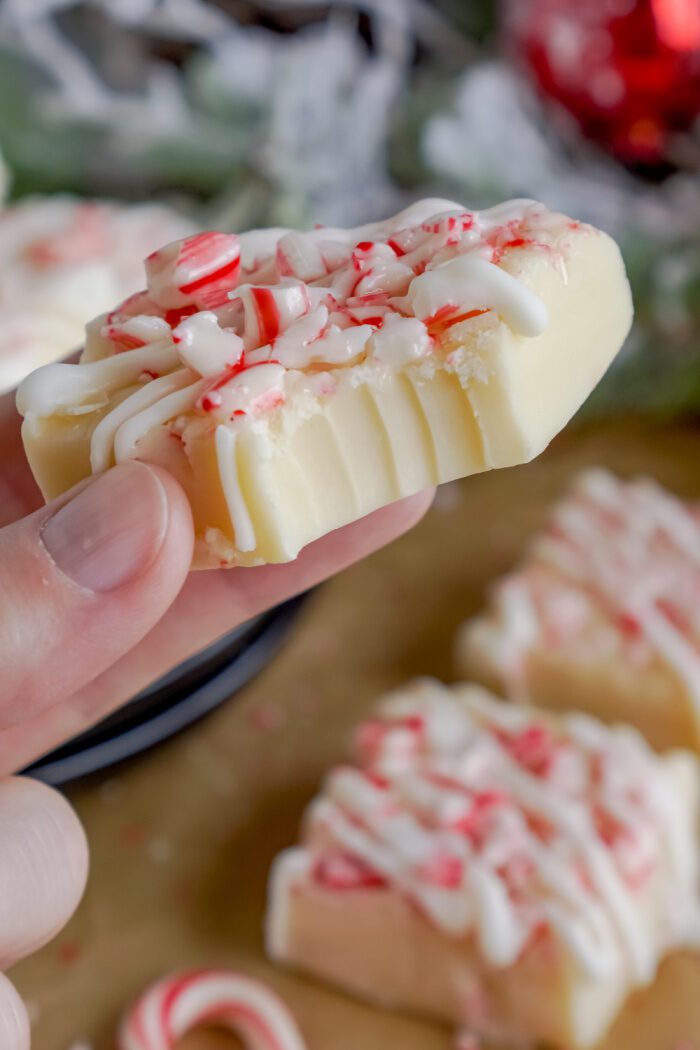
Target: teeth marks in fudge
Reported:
[(349, 368), (500, 825)]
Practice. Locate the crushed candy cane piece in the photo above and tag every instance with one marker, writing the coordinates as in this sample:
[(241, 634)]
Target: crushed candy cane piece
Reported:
[(136, 331), (269, 310), (174, 1006), (206, 347), (201, 270)]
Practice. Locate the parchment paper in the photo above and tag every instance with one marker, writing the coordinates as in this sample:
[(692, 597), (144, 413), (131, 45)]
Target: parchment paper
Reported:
[(182, 838)]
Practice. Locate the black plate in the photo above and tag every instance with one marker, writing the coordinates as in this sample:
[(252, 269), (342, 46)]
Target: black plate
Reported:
[(181, 697)]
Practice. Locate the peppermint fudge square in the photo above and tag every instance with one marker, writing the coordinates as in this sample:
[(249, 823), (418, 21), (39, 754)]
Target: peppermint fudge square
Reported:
[(604, 613), (493, 867), (62, 260), (294, 382)]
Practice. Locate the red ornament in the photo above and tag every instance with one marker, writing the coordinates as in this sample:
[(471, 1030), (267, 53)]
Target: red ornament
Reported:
[(627, 70)]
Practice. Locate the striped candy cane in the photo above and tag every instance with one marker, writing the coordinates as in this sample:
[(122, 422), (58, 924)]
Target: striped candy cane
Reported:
[(175, 1005), (201, 269)]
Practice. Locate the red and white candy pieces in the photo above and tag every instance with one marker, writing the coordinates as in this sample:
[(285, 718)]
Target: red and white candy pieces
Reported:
[(605, 608), (493, 866), (296, 381), (199, 271), (178, 1004)]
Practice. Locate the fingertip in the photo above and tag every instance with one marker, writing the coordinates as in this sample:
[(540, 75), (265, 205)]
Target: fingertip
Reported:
[(14, 1021), (333, 552), (67, 832), (178, 543), (381, 527), (412, 509), (43, 866), (180, 510)]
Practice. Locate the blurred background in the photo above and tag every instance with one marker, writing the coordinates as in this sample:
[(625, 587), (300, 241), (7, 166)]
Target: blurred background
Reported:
[(234, 113), (125, 124)]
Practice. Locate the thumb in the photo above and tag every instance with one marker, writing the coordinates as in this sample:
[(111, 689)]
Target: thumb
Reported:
[(84, 579)]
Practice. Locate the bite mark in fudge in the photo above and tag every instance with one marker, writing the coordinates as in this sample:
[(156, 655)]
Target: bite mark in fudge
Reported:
[(296, 381)]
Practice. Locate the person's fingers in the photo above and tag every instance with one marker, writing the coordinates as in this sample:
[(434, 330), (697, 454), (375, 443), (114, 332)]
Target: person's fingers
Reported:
[(209, 605), (84, 579), (14, 1023), (43, 866), (213, 603)]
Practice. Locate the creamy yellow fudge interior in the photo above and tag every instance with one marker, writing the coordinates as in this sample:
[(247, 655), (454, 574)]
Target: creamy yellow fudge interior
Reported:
[(294, 382), (489, 865)]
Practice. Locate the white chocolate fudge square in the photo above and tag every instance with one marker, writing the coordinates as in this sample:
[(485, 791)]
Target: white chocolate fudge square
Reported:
[(62, 260), (493, 867), (294, 382), (603, 616)]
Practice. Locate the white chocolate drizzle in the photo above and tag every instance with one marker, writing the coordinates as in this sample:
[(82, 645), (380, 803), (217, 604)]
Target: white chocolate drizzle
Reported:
[(469, 282), (235, 501), (169, 407), (498, 824), (258, 316), (61, 389), (620, 565), (104, 434)]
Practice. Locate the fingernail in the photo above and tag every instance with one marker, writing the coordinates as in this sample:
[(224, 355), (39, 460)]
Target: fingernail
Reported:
[(111, 532)]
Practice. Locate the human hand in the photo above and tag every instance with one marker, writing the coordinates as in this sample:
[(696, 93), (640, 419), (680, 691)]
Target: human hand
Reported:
[(96, 602)]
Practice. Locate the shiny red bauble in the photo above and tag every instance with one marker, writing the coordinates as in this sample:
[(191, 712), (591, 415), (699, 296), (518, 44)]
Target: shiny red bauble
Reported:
[(627, 71)]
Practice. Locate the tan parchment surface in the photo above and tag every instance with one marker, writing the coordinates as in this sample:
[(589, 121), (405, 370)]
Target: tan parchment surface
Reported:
[(182, 838)]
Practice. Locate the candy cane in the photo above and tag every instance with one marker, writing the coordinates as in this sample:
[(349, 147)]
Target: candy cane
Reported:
[(201, 269), (175, 1005)]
